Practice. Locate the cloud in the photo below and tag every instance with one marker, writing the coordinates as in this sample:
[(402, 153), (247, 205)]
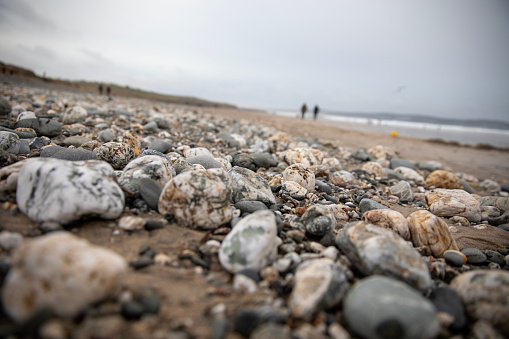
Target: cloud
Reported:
[(21, 11)]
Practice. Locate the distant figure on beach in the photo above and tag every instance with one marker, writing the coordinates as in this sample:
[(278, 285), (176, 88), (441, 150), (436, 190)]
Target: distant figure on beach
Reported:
[(100, 89), (108, 90), (315, 112), (303, 109)]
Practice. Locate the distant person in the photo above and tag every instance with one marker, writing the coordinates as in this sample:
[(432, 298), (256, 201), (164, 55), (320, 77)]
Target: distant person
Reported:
[(3, 70), (108, 91), (100, 89), (315, 112), (303, 110)]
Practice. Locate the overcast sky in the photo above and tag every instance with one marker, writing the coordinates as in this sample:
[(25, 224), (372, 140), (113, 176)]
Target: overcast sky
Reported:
[(445, 58)]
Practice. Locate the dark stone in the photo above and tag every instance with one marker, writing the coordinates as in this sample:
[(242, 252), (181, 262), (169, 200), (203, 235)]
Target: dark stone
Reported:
[(154, 152), (48, 152), (250, 206), (75, 154), (246, 321), (150, 190), (160, 146), (398, 162), (141, 262), (391, 174), (368, 205), (323, 187), (49, 127), (227, 138), (244, 160), (132, 310), (163, 124), (28, 123), (150, 302), (5, 266), (298, 197), (505, 227), (362, 155), (36, 143), (7, 158), (474, 255), (467, 187), (151, 225), (447, 300), (495, 257), (250, 273), (205, 161), (24, 147), (5, 107), (265, 160), (505, 187), (76, 141), (331, 199), (453, 258), (328, 239)]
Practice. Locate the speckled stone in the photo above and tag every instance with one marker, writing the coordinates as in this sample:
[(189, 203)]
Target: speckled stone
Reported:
[(117, 154), (9, 142), (304, 156), (247, 185), (318, 220), (389, 219), (432, 232), (373, 167), (252, 243), (151, 167), (64, 191), (62, 272), (292, 188), (319, 284), (300, 174), (443, 179), (375, 250), (198, 199), (502, 203), (449, 202)]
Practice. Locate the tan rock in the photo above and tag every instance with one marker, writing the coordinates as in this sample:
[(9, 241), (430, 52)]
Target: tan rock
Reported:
[(389, 219), (373, 167), (431, 231), (449, 203), (443, 179), (300, 174)]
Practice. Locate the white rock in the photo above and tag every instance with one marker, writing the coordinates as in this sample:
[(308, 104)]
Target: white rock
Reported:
[(389, 219), (300, 174), (382, 152), (62, 272), (252, 243), (374, 167), (243, 284), (410, 174), (150, 166), (197, 151), (247, 185), (26, 115), (9, 176), (64, 191), (75, 114), (304, 156), (332, 163), (291, 187), (448, 203), (9, 240), (131, 223), (9, 142)]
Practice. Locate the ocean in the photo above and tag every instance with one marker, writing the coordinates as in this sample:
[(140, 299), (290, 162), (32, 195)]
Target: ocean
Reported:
[(460, 131)]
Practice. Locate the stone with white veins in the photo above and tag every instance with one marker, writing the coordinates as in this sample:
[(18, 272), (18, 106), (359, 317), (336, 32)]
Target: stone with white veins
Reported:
[(61, 272), (150, 166), (375, 250), (198, 198), (300, 174), (452, 202), (247, 185), (64, 191), (252, 243), (319, 283)]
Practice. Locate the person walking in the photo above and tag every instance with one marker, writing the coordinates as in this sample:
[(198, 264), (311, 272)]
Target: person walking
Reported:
[(303, 110), (315, 112), (100, 89)]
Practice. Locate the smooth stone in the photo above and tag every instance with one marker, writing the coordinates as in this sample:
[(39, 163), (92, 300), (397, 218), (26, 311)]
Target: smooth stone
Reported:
[(32, 123), (5, 107), (160, 146), (474, 255), (101, 126), (504, 187), (495, 257), (106, 135), (117, 154), (252, 243), (151, 225), (163, 123), (368, 205), (392, 174), (154, 152), (244, 160), (24, 147), (502, 203), (432, 232), (399, 162), (382, 152), (455, 258), (206, 161), (150, 127), (318, 220), (74, 115), (452, 202), (249, 206), (264, 159), (247, 185), (466, 186), (132, 309), (402, 190), (318, 284), (131, 223), (150, 167), (10, 240), (230, 140), (198, 152), (375, 250), (429, 165), (485, 294), (49, 151), (198, 199), (490, 185), (380, 307), (374, 168), (49, 127), (388, 219), (75, 154), (150, 191), (61, 272), (300, 174), (323, 187), (448, 300), (76, 140), (64, 191), (410, 174), (36, 143), (9, 142), (363, 155), (24, 134)]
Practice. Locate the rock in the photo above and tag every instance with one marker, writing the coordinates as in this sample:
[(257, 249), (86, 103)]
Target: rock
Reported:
[(403, 190), (395, 310), (455, 258), (206, 161), (398, 162), (304, 156), (443, 179), (391, 174), (264, 159), (502, 203), (31, 123), (432, 232), (9, 176), (490, 185), (504, 187), (24, 147), (247, 185), (198, 199), (410, 174), (151, 167), (10, 240), (252, 243), (106, 135), (5, 107), (368, 205), (150, 127), (76, 141), (49, 151), (75, 154), (292, 188), (319, 284), (448, 300), (131, 223), (198, 152), (160, 146), (117, 154), (270, 330), (49, 127), (429, 165), (363, 155), (495, 257), (74, 115), (373, 167), (43, 269), (485, 294), (323, 187), (154, 152), (229, 139), (449, 202), (342, 178), (9, 142), (300, 174), (150, 190), (382, 152), (389, 219), (474, 255), (64, 191), (374, 250), (318, 220), (249, 206)]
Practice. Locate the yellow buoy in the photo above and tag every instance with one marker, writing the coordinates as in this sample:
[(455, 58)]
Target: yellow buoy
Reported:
[(394, 134)]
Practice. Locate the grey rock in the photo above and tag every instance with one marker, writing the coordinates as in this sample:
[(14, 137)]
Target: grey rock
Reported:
[(402, 190), (318, 220), (24, 147), (363, 155), (150, 190), (323, 187), (151, 166), (28, 123), (244, 160), (466, 186), (182, 165), (76, 141), (36, 143), (106, 135), (391, 174), (229, 139), (429, 165), (154, 152), (448, 300), (49, 127), (495, 257), (160, 146), (368, 205), (265, 160), (474, 255), (102, 126), (74, 115), (50, 151), (150, 127), (379, 307), (375, 250), (5, 107), (399, 162), (163, 124), (247, 185), (454, 258), (250, 206), (505, 187), (75, 154), (9, 142), (205, 161)]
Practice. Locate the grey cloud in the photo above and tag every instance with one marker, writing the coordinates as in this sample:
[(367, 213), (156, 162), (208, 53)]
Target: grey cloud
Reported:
[(20, 10)]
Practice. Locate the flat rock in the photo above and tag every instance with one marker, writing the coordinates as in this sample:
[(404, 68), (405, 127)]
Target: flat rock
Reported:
[(75, 154), (449, 202), (160, 146), (474, 255), (64, 191), (249, 206), (150, 191), (49, 127), (247, 185), (43, 269), (151, 167), (368, 205)]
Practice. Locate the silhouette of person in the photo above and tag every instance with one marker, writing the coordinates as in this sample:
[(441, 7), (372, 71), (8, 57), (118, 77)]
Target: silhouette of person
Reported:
[(108, 90), (100, 89), (315, 112), (303, 109)]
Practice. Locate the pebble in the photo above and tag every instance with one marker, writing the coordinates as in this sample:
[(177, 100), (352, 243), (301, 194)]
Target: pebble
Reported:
[(389, 219), (300, 174), (448, 300), (432, 232), (485, 294), (429, 165), (10, 240), (399, 162), (5, 107), (410, 174), (131, 223), (247, 185), (252, 243), (403, 190), (206, 161), (383, 307), (368, 205), (106, 135), (455, 258), (474, 255), (9, 142), (304, 156), (150, 191), (452, 202), (151, 167), (318, 220), (249, 206), (75, 114), (150, 127), (374, 168), (495, 257), (443, 179), (49, 127), (42, 267), (76, 140), (74, 154), (319, 284), (198, 199), (363, 155), (198, 152), (117, 154), (64, 191), (160, 146), (323, 187), (375, 250), (382, 152)]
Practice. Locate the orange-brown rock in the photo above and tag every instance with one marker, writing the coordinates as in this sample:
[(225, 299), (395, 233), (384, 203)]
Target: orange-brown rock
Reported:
[(443, 179)]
